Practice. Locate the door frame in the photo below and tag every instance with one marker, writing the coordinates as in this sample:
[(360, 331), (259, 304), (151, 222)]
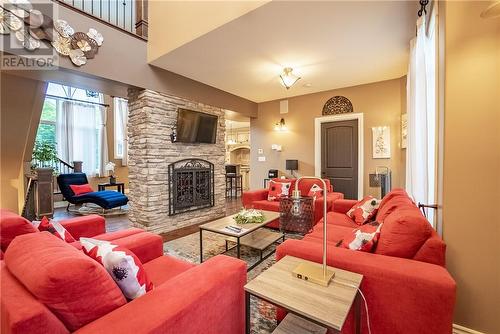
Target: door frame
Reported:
[(317, 143)]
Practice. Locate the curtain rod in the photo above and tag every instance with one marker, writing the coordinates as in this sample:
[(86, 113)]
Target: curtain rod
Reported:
[(76, 100)]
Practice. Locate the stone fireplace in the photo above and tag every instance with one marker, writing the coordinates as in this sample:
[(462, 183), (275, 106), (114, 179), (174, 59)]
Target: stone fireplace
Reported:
[(154, 159)]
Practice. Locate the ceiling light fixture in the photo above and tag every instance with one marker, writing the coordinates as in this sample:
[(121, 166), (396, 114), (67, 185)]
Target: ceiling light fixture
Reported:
[(280, 126), (288, 78)]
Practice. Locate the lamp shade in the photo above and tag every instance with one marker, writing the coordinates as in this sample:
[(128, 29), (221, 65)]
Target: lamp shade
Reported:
[(292, 164)]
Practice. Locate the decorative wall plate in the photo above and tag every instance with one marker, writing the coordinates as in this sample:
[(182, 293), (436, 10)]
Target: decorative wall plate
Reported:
[(62, 45), (9, 22), (337, 105), (29, 43), (63, 28), (77, 57), (83, 42), (96, 36)]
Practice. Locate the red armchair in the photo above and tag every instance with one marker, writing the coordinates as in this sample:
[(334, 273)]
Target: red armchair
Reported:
[(145, 245), (43, 279), (258, 198), (407, 287)]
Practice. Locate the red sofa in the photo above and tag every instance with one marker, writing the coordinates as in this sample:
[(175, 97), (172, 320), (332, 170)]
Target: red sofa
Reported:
[(257, 199), (406, 284), (145, 245), (49, 286)]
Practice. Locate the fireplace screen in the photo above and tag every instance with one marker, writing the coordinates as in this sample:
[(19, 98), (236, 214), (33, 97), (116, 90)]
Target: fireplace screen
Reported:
[(190, 186)]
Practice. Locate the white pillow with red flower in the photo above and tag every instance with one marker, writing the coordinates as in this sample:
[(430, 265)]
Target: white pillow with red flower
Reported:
[(364, 210), (315, 191), (55, 228), (278, 190), (123, 266), (363, 238)]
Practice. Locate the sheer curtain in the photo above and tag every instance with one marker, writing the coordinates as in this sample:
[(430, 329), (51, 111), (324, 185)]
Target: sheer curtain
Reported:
[(420, 152), (121, 117), (80, 134)]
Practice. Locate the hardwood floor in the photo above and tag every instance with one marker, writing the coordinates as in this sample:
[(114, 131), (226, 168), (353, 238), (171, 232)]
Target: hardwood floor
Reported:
[(116, 223)]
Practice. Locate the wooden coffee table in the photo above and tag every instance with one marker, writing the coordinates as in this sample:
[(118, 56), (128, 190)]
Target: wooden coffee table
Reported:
[(325, 306), (252, 235)]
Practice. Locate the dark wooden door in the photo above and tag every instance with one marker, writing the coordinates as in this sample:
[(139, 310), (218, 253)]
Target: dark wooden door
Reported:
[(339, 156)]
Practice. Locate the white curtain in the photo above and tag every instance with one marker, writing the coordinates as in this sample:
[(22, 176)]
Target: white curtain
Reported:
[(420, 152), (103, 159), (121, 117), (80, 134), (64, 130)]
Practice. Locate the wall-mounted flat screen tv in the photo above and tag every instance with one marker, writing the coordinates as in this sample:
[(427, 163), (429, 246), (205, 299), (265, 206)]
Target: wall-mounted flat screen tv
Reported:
[(196, 127)]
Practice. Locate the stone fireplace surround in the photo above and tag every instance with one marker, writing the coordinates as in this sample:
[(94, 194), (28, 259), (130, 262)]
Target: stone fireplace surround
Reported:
[(152, 116)]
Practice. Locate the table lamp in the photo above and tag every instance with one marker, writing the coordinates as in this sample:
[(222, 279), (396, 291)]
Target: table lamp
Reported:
[(308, 271), (292, 165)]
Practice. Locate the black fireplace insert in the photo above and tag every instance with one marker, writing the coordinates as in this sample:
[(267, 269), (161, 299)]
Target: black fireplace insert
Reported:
[(190, 186)]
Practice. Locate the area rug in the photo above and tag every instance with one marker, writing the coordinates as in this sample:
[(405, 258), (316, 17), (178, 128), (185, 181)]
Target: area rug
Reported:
[(263, 315)]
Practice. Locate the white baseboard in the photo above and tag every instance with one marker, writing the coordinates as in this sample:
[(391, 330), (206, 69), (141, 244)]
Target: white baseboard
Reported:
[(457, 329)]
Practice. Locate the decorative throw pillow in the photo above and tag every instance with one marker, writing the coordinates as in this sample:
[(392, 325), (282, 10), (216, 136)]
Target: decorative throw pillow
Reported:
[(123, 266), (315, 191), (278, 190), (80, 189), (364, 210), (55, 228), (363, 238)]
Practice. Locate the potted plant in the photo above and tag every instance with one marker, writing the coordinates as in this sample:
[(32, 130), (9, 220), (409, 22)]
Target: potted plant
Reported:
[(110, 168), (44, 155)]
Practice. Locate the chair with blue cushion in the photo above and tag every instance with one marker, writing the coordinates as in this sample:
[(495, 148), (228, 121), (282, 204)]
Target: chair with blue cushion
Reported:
[(106, 199)]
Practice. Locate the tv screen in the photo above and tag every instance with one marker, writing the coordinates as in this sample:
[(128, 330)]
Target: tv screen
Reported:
[(196, 127)]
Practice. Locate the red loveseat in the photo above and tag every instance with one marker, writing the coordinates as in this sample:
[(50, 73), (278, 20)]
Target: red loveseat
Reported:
[(48, 286), (406, 284), (257, 199), (145, 245)]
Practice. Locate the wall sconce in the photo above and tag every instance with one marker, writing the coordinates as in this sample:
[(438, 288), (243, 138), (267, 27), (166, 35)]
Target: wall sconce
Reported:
[(276, 147), (280, 126), (288, 78)]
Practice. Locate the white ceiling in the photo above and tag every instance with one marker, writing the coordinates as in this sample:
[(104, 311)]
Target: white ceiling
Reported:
[(330, 44)]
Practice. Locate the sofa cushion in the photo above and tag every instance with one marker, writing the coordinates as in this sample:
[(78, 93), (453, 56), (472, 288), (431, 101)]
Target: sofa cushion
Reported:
[(76, 288), (278, 190), (55, 228), (267, 205), (364, 210), (121, 264), (12, 225), (363, 238), (164, 268), (315, 191), (395, 199), (339, 219), (22, 312), (306, 184), (405, 231), (291, 181), (334, 234)]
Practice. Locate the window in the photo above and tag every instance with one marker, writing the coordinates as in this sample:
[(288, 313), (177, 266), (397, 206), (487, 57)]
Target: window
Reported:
[(120, 108), (73, 120)]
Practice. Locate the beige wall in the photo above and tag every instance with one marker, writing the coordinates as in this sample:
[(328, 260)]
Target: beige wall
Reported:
[(381, 104), (471, 191), (21, 105)]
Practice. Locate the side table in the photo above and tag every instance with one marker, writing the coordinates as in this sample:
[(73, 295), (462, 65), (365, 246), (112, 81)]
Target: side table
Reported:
[(326, 306), (119, 185)]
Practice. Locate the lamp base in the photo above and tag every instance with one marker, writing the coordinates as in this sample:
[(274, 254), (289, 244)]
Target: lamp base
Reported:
[(313, 273)]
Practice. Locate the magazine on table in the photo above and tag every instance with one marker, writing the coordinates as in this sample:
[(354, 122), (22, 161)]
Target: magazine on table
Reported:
[(235, 229)]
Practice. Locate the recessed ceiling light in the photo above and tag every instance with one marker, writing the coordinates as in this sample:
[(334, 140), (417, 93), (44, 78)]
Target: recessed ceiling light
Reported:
[(307, 85)]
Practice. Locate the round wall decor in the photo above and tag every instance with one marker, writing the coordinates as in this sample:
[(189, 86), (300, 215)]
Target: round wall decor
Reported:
[(337, 105)]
